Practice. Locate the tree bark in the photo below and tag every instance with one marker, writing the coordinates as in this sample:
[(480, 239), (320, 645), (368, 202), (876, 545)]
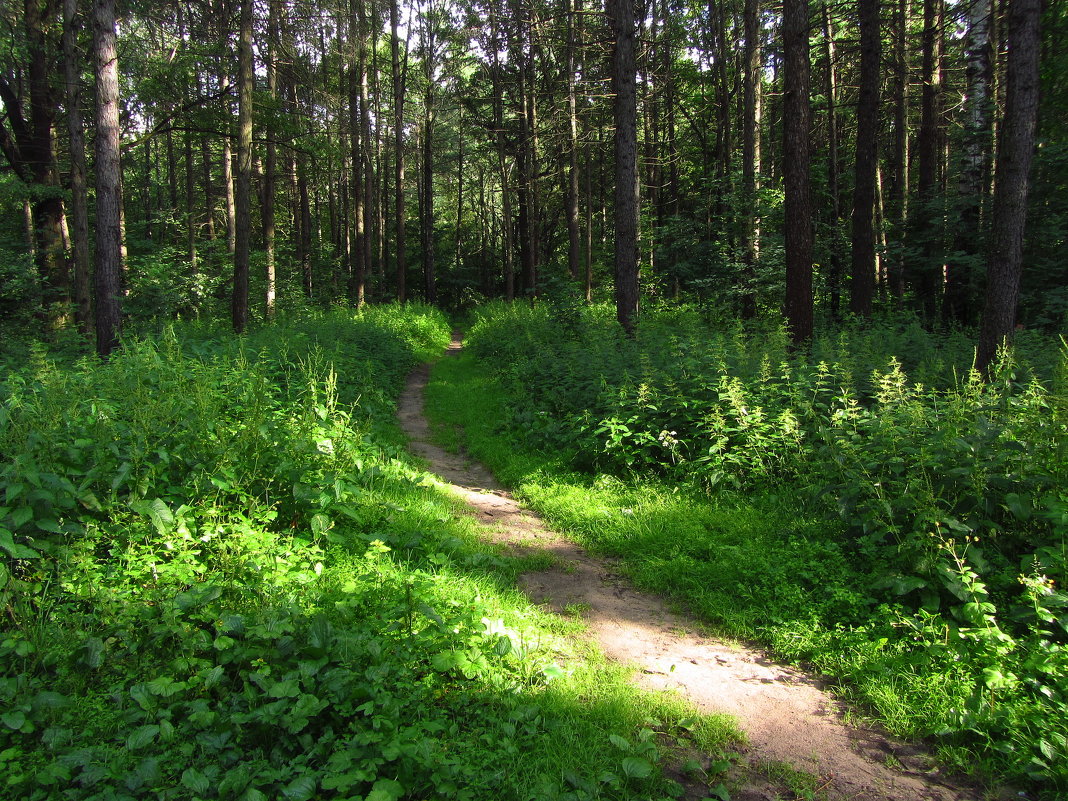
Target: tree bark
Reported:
[(270, 178), (1015, 150), (571, 201), (79, 204), (974, 165), (862, 285), (899, 159), (621, 20), (927, 229), (398, 155), (834, 279), (752, 63), (108, 274), (796, 170), (38, 148), (243, 193)]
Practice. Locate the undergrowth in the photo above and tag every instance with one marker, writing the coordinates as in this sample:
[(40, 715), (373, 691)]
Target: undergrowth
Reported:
[(908, 537), (222, 578)]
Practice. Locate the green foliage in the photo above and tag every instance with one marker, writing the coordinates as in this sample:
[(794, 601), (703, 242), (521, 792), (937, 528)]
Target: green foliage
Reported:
[(222, 579), (922, 550)]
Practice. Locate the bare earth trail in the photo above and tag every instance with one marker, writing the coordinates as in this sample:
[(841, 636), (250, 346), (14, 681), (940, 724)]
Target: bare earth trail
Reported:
[(785, 713)]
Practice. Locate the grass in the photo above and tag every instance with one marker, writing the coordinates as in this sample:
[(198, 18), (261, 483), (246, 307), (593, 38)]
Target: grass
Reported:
[(753, 566), (224, 578)]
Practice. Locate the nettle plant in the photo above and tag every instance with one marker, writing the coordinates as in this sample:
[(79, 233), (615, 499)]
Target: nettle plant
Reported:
[(948, 493)]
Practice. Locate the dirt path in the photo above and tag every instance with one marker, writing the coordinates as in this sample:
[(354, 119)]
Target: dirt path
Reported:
[(786, 714)]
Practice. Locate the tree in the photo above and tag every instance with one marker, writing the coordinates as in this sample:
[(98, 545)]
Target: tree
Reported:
[(243, 193), (974, 164), (79, 192), (1015, 150), (399, 73), (108, 181), (624, 79), (796, 170), (862, 284), (752, 62)]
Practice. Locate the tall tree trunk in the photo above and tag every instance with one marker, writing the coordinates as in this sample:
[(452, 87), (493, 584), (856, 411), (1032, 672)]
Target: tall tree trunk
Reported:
[(426, 227), (39, 151), (927, 227), (862, 285), (228, 186), (624, 78), (588, 283), (1015, 149), (365, 184), (833, 169), (304, 194), (243, 193), (572, 195), (796, 165), (398, 155), (270, 179), (190, 203), (752, 64), (899, 159), (108, 274), (974, 164), (458, 257), (79, 204)]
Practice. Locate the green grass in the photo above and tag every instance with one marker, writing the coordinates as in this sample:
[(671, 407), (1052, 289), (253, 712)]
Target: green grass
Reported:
[(761, 565), (224, 578)]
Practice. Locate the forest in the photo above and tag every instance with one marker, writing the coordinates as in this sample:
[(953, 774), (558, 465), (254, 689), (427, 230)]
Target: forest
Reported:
[(765, 301)]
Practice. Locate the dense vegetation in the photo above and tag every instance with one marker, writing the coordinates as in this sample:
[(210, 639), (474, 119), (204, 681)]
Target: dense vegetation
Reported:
[(222, 578), (866, 505)]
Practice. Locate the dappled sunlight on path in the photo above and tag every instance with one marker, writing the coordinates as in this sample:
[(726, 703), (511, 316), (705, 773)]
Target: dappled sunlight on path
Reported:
[(786, 714)]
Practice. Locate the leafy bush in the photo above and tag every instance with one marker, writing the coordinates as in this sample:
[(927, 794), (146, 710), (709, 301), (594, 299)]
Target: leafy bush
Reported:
[(947, 495), (221, 580)]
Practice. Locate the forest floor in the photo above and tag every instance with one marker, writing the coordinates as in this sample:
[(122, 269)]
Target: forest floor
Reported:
[(793, 725)]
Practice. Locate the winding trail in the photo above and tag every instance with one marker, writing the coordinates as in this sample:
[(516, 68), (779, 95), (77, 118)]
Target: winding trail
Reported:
[(787, 715)]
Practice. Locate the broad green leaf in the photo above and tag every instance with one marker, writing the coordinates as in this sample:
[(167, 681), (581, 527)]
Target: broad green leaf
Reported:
[(619, 742), (195, 780), (300, 789), (284, 689), (443, 661), (386, 790), (637, 768), (14, 549), (15, 719), (92, 653), (141, 737)]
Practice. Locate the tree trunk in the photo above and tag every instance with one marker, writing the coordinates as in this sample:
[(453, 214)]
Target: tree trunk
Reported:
[(79, 204), (927, 228), (243, 193), (834, 279), (365, 184), (862, 286), (39, 151), (1015, 149), (974, 165), (398, 155), (270, 179), (426, 227), (796, 162), (752, 64), (624, 78), (228, 186), (899, 161), (571, 200), (108, 274)]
